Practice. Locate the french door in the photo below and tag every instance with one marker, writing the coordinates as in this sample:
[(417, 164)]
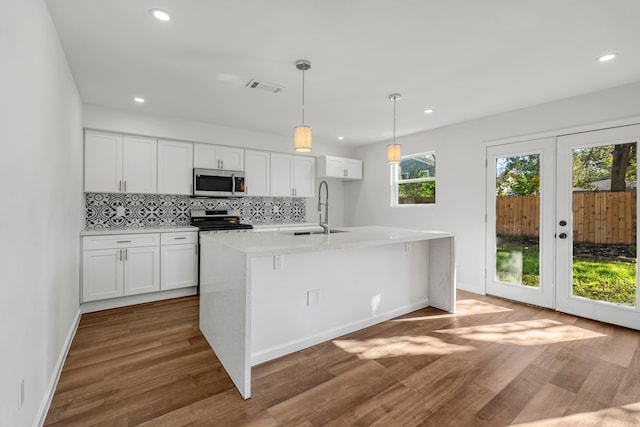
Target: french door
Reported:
[(561, 223), (520, 216)]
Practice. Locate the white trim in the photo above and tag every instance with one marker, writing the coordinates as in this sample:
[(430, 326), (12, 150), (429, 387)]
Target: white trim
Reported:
[(565, 131), (107, 304), (55, 376), (293, 346)]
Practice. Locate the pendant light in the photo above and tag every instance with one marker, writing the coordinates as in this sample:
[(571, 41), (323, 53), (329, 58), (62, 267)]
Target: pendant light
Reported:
[(394, 150), (302, 133)]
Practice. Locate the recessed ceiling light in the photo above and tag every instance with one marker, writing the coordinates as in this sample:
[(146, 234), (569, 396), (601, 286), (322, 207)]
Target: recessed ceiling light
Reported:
[(139, 100), (607, 57), (341, 138), (428, 111), (160, 14)]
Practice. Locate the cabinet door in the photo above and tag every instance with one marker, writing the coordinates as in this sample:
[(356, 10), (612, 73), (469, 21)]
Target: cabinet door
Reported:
[(334, 167), (354, 168), (140, 165), (102, 162), (281, 175), (231, 158), (257, 173), (179, 264), (141, 270), (205, 156), (102, 274), (304, 176), (175, 167)]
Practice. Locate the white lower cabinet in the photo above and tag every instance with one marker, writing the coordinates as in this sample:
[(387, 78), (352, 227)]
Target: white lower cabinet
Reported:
[(179, 260), (141, 270), (102, 274), (118, 265)]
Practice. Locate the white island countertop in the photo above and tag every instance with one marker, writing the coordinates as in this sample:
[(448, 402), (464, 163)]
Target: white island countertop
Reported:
[(286, 242), (267, 294)]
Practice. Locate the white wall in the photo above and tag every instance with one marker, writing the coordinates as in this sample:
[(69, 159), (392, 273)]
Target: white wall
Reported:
[(41, 207), (109, 119), (460, 188)]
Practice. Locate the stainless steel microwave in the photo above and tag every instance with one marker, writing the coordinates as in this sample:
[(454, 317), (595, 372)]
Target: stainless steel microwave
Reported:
[(218, 183)]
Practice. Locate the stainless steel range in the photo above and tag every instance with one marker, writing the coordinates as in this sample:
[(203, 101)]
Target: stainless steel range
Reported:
[(217, 220)]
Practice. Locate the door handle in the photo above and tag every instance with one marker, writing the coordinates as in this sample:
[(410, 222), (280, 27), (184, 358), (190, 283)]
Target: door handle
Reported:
[(562, 235), (120, 254)]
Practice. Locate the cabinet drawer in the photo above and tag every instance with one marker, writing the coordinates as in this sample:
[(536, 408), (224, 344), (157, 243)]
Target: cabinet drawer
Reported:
[(179, 237), (120, 241)]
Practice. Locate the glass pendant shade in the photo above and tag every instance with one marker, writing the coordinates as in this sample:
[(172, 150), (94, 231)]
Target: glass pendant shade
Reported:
[(394, 153), (302, 139)]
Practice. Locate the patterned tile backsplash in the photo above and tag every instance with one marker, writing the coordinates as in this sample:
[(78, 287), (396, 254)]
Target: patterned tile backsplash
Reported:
[(159, 211)]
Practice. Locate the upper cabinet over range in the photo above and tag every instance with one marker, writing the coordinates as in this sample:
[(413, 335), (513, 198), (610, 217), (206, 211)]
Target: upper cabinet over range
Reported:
[(209, 156), (116, 163)]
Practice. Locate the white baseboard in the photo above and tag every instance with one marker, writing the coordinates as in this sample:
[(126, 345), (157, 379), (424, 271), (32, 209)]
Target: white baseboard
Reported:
[(293, 346), (89, 307), (55, 376)]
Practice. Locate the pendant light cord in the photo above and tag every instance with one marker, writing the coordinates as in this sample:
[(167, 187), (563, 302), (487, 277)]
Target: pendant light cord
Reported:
[(303, 97), (394, 121)]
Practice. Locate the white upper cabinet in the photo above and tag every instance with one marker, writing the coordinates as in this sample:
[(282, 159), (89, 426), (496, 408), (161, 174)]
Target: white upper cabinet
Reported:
[(140, 163), (119, 164), (257, 172), (175, 167), (281, 175), (292, 176), (304, 181), (340, 168), (209, 156), (102, 162)]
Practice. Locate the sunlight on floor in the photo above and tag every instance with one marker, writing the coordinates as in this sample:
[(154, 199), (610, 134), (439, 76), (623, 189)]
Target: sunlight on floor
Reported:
[(465, 307), (526, 333), (376, 348), (627, 415)]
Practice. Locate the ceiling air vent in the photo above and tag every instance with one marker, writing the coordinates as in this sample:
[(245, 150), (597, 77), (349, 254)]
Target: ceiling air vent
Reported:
[(267, 87)]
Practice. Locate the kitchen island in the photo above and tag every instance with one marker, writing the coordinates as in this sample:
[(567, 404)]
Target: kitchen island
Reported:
[(264, 295)]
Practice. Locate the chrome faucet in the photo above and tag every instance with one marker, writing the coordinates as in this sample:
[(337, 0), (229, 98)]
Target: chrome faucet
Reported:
[(325, 224)]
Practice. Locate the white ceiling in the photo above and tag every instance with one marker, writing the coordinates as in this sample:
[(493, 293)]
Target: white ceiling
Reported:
[(463, 58)]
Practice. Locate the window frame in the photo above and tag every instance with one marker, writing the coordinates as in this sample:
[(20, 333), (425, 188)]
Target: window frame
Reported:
[(396, 181)]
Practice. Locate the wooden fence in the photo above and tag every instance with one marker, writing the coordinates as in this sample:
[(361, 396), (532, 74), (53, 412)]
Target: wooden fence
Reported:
[(598, 217)]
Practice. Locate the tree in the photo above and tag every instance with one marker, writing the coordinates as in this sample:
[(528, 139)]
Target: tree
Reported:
[(616, 162), (518, 175)]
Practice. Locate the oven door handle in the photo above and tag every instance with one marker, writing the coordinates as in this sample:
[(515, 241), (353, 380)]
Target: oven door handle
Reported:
[(233, 184)]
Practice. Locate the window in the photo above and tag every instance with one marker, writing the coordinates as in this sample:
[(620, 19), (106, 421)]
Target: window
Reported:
[(414, 180)]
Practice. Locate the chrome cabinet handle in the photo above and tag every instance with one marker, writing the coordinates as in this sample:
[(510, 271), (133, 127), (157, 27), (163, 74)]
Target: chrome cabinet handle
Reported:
[(120, 254), (125, 254), (179, 238), (120, 185), (196, 249), (125, 185), (123, 241)]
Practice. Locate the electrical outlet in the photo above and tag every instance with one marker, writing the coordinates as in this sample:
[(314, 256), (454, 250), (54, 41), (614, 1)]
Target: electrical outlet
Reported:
[(313, 297), (120, 211), (21, 393), (278, 262)]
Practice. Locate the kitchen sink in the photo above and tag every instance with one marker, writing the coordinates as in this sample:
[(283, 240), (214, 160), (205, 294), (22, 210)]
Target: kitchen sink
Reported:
[(306, 233)]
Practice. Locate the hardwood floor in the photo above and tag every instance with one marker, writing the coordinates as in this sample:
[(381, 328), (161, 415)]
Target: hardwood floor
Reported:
[(494, 363)]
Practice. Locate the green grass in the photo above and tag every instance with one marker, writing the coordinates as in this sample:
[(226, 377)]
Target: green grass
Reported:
[(602, 280)]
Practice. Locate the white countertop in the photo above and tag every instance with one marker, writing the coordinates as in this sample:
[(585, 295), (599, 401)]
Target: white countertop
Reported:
[(280, 243), (137, 230)]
